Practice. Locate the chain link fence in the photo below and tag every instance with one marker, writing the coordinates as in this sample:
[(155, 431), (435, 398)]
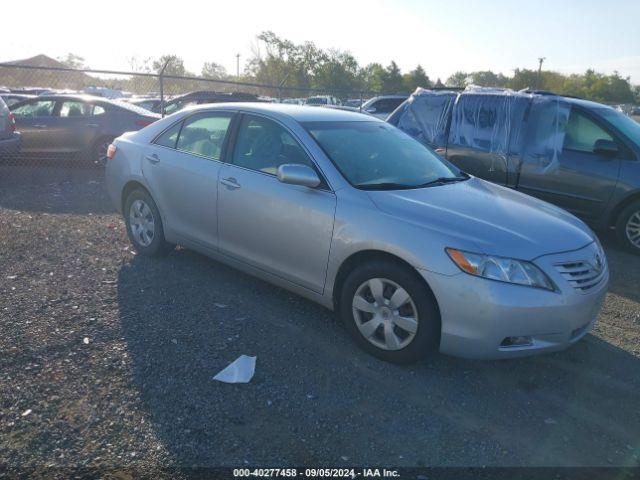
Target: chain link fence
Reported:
[(57, 129)]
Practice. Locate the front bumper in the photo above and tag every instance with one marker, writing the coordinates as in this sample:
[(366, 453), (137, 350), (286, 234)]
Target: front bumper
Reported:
[(478, 314)]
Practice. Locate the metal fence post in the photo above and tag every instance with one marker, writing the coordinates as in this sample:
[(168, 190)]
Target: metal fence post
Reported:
[(161, 76)]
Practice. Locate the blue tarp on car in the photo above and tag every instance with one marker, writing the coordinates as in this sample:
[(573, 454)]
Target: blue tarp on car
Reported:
[(493, 121), (425, 116)]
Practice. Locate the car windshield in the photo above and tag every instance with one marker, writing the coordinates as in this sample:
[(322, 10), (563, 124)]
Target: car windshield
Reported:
[(626, 125), (375, 155)]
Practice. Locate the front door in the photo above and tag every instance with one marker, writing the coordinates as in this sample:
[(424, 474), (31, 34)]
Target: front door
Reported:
[(574, 176), (34, 120), (181, 168), (74, 127), (283, 229)]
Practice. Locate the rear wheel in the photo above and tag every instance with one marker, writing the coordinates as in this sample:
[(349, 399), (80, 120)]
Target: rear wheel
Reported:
[(144, 225), (390, 312), (98, 153), (628, 227)]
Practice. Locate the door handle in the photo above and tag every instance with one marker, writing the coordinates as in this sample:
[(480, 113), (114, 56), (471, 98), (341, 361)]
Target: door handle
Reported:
[(153, 158), (92, 125), (39, 125), (230, 182)]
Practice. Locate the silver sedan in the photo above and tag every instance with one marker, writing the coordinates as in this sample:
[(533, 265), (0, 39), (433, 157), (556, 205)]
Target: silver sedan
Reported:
[(413, 254)]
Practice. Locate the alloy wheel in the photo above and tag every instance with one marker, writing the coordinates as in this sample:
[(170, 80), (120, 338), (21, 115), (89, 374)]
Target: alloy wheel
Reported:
[(142, 223), (385, 314), (632, 229)]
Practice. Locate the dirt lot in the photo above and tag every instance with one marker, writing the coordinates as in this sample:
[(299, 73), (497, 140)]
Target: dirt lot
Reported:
[(107, 358)]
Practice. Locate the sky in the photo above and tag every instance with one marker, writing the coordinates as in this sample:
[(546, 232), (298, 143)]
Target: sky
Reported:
[(442, 36)]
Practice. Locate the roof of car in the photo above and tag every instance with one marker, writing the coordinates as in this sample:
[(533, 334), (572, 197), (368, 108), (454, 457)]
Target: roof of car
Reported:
[(300, 113)]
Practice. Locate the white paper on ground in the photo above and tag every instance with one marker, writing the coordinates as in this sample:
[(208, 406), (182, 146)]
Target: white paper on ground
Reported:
[(239, 371)]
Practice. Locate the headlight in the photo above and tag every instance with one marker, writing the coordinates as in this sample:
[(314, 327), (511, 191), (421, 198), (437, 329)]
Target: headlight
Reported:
[(502, 269)]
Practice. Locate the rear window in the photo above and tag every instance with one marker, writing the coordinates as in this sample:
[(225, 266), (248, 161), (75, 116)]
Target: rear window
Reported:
[(132, 108)]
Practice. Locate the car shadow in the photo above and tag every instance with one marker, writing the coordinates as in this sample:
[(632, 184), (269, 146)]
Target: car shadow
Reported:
[(61, 188), (624, 281), (316, 399)]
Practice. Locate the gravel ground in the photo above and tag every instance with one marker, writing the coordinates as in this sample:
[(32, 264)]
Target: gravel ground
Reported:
[(107, 359)]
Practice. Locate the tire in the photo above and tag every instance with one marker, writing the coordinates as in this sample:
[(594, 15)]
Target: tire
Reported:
[(421, 307), (628, 227), (144, 224), (97, 154)]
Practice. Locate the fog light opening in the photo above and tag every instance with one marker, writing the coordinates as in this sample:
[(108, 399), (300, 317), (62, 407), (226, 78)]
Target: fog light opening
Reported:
[(517, 342)]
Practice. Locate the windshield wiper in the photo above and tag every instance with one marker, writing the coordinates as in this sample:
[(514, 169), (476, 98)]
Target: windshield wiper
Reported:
[(443, 180), (385, 186)]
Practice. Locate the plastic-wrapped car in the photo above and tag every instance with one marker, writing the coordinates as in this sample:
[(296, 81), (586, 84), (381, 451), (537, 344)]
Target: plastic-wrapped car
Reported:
[(577, 154)]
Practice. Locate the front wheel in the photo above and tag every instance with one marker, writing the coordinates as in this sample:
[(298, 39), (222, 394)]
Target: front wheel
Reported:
[(628, 227), (144, 225), (390, 312)]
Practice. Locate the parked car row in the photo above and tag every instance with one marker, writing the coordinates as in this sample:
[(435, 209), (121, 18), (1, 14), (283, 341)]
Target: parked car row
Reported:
[(579, 155), (10, 139), (75, 124), (412, 253)]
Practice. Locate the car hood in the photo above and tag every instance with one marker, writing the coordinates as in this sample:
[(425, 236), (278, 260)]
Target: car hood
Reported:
[(497, 220)]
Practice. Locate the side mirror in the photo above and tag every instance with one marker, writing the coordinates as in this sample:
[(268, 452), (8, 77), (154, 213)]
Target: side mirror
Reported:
[(606, 148), (297, 174)]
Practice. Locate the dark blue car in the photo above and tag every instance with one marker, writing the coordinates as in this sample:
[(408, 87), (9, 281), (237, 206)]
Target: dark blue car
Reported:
[(580, 155)]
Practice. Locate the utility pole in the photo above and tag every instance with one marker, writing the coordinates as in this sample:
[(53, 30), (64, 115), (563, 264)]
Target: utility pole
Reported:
[(540, 61), (238, 65)]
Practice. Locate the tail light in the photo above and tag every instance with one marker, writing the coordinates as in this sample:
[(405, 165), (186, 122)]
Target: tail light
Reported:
[(143, 122), (12, 122), (111, 151)]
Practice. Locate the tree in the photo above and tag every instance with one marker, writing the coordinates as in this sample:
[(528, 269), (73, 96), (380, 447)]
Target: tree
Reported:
[(524, 78), (372, 77), (487, 78), (458, 80), (143, 65), (415, 78), (214, 70), (392, 82), (71, 60), (175, 65), (336, 72)]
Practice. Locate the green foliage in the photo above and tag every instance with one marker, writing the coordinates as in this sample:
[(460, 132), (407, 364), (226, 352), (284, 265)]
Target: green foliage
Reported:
[(287, 66), (458, 80), (590, 85), (415, 78), (175, 65), (71, 60), (214, 70)]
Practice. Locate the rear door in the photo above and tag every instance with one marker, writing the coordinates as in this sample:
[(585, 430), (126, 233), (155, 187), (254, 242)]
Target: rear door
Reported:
[(576, 178), (34, 119), (181, 167)]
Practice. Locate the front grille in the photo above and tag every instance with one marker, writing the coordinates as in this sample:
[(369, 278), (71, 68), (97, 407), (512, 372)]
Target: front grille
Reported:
[(581, 275)]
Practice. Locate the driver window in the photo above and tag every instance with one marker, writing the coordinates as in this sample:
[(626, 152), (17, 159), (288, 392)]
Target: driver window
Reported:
[(582, 133), (40, 108), (264, 145), (204, 135)]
